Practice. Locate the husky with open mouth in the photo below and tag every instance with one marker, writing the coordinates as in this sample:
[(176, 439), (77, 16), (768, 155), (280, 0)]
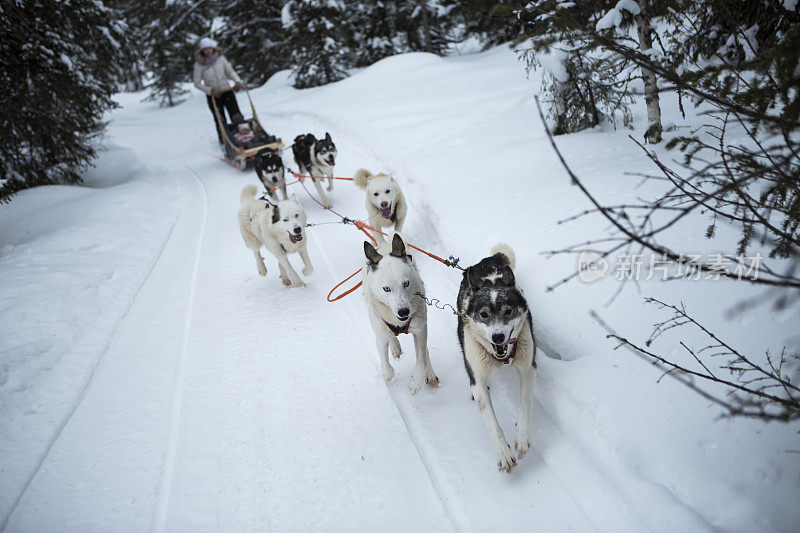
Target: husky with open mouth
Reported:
[(386, 205), (270, 170), (495, 329), (395, 302), (316, 158), (280, 228)]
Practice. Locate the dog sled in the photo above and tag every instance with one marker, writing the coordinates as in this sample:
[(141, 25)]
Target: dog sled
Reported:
[(240, 150)]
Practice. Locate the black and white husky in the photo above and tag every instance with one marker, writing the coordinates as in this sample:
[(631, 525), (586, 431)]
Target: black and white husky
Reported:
[(495, 329), (386, 204), (269, 169), (392, 287), (316, 158)]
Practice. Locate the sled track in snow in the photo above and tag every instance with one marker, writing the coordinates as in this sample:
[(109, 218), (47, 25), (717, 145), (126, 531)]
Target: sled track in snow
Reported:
[(168, 470), (445, 493), (448, 496), (88, 382)]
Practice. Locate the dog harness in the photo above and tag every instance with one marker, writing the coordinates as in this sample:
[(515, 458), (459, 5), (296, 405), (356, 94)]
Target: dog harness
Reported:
[(397, 330)]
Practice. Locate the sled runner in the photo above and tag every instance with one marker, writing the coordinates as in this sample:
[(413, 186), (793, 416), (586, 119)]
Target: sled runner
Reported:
[(240, 150)]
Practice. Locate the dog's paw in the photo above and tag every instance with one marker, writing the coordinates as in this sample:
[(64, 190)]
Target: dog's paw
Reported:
[(330, 186), (507, 461), (388, 373), (418, 379), (327, 205), (522, 441), (299, 284), (262, 269), (523, 446), (431, 378), (285, 280), (307, 271), (394, 348)]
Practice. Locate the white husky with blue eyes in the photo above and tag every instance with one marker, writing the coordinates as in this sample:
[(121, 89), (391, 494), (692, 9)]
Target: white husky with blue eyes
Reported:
[(386, 205), (395, 303), (280, 228)]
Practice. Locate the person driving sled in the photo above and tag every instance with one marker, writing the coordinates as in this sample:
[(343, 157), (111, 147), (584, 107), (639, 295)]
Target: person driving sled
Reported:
[(211, 74)]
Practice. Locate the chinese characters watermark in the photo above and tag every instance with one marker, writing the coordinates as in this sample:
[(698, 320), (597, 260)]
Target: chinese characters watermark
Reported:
[(646, 267)]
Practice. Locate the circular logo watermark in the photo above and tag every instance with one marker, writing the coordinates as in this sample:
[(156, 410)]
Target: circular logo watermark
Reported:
[(591, 267)]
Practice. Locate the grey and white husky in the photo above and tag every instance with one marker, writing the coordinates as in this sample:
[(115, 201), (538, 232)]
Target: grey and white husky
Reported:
[(395, 302), (316, 158), (495, 329), (386, 204), (280, 228)]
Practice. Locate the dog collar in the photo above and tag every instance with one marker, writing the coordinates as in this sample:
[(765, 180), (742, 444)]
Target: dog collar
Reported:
[(397, 330)]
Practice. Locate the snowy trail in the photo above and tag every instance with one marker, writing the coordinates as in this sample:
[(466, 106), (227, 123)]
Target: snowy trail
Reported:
[(151, 380), (229, 401)]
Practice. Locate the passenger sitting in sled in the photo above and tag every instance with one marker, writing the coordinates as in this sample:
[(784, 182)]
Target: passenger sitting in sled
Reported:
[(212, 73)]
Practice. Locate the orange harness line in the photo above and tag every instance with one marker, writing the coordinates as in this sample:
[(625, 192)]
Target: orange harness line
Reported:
[(364, 227), (299, 176), (282, 186), (360, 225)]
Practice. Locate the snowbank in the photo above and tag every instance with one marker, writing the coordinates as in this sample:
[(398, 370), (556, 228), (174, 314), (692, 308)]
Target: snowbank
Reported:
[(464, 135), (614, 447)]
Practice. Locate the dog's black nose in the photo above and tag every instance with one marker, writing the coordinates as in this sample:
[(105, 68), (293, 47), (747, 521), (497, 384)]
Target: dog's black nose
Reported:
[(274, 179), (403, 312), (298, 230), (384, 204), (498, 338)]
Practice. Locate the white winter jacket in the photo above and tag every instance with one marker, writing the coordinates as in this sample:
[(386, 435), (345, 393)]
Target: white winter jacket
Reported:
[(214, 76)]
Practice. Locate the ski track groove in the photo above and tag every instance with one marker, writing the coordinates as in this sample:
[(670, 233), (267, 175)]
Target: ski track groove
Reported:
[(409, 417), (411, 420), (168, 470), (443, 490), (407, 413), (88, 382)]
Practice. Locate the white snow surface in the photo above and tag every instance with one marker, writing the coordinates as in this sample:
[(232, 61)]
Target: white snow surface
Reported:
[(150, 379)]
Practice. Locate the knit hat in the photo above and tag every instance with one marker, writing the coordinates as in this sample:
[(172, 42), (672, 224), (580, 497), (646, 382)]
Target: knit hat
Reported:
[(206, 42)]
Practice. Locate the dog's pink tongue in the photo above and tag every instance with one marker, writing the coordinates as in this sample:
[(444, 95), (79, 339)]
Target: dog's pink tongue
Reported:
[(292, 238), (386, 212)]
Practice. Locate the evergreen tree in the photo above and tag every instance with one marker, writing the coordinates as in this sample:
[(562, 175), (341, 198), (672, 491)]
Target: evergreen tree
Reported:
[(579, 97), (593, 84), (56, 64), (170, 38), (428, 25), (318, 40), (375, 31), (254, 39), (129, 71), (492, 21)]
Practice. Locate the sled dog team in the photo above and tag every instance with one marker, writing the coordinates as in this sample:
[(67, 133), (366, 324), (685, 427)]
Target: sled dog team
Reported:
[(494, 322)]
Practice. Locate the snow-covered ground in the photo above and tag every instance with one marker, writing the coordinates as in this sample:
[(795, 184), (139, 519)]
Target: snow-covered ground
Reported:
[(150, 379)]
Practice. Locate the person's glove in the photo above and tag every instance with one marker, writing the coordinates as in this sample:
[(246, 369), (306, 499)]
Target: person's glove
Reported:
[(238, 86), (215, 93)]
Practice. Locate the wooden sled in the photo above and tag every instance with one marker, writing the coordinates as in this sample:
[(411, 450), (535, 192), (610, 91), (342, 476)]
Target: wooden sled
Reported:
[(239, 156)]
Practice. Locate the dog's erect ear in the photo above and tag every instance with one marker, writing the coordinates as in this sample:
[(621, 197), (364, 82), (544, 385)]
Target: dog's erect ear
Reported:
[(276, 214), (372, 255), (328, 137), (507, 277), (475, 283), (398, 246)]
